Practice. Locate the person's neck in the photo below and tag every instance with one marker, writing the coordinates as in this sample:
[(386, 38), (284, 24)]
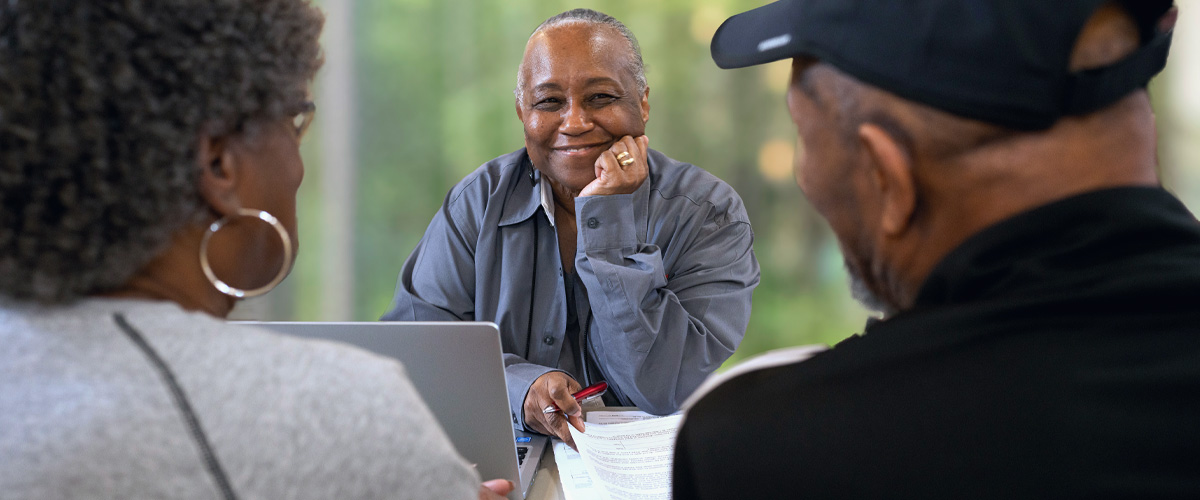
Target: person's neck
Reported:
[(564, 198), (175, 276), (1112, 148)]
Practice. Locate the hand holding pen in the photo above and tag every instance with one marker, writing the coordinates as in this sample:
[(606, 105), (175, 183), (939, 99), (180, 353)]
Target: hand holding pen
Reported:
[(586, 395), (553, 390)]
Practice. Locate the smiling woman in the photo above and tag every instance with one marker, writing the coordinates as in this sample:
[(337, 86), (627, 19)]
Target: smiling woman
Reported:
[(581, 87), (577, 101), (599, 258)]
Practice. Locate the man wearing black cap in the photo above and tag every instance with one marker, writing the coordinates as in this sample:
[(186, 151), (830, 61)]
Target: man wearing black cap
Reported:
[(989, 169)]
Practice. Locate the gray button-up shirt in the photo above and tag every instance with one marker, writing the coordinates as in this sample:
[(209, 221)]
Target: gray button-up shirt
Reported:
[(668, 270)]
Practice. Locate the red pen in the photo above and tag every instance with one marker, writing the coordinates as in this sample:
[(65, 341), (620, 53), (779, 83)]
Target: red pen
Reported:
[(585, 395)]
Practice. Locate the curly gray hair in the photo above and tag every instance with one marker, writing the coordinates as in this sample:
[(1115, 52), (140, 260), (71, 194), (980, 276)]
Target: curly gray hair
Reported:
[(101, 105), (635, 65)]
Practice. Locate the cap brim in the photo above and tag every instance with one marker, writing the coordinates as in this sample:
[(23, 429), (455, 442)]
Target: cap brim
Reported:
[(768, 33)]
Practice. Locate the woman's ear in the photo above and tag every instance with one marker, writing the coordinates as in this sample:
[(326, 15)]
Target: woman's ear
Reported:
[(895, 182), (646, 106), (219, 174)]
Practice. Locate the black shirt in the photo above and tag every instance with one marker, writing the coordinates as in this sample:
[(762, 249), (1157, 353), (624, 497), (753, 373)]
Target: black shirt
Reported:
[(1053, 355)]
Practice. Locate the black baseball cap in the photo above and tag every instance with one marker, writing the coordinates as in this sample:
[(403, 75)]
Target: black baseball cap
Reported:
[(1000, 61)]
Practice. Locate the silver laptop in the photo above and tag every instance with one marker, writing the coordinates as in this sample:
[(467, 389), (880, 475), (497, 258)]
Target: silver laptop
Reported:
[(458, 369)]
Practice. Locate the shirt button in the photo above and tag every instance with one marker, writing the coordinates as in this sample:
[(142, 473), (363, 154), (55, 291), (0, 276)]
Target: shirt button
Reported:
[(593, 223), (548, 340)]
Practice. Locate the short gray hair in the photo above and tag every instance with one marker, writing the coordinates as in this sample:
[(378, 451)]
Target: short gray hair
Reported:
[(636, 66)]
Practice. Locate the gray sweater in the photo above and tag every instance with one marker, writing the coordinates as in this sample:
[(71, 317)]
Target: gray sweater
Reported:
[(86, 413)]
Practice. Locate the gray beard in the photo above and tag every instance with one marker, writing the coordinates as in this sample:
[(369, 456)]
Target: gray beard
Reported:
[(868, 298)]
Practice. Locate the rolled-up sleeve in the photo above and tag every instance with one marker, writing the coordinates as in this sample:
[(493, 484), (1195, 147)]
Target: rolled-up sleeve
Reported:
[(664, 334)]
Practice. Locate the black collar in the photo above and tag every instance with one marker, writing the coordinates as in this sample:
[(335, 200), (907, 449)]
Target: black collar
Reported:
[(1077, 236), (1125, 251)]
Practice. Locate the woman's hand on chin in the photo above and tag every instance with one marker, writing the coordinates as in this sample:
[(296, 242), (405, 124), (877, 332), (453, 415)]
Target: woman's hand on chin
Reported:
[(622, 169)]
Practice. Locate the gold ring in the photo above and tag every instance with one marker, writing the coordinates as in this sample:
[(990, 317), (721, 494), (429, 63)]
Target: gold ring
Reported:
[(623, 155), (626, 162)]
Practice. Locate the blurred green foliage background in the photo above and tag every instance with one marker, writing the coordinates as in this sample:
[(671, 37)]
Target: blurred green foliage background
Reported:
[(432, 96)]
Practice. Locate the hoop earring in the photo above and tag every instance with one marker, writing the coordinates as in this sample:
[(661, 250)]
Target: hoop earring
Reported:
[(223, 287)]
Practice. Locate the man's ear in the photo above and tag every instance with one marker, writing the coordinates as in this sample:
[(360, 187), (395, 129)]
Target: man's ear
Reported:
[(893, 174), (520, 112), (219, 174), (646, 105)]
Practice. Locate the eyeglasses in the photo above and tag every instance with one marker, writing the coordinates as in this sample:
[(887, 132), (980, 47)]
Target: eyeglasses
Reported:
[(304, 118)]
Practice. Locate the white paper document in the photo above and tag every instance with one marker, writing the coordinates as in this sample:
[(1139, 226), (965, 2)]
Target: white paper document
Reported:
[(573, 475), (623, 461), (617, 417)]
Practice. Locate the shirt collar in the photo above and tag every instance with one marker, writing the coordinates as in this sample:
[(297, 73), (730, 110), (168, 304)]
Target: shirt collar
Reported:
[(1034, 248), (547, 197), (526, 193)]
